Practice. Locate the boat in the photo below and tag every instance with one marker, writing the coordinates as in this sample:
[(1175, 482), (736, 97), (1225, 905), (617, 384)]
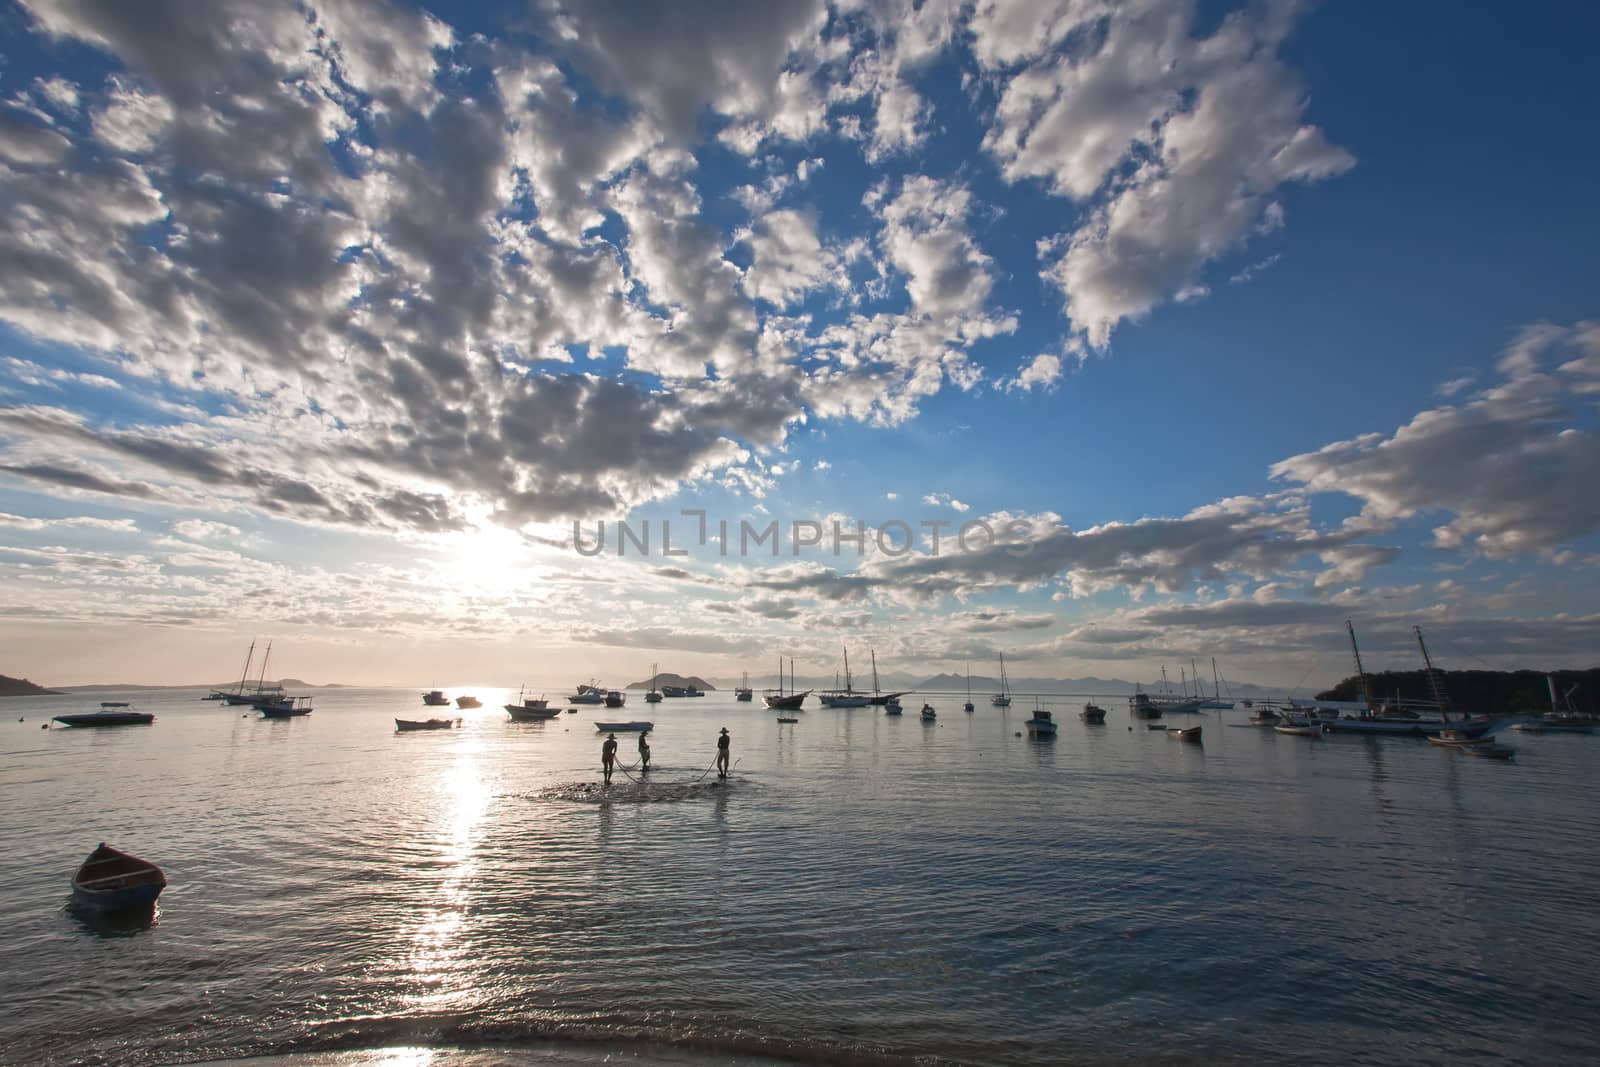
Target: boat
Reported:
[(1041, 724), (880, 698), (1140, 706), (111, 713), (1487, 751), (654, 695), (788, 719), (744, 693), (1092, 713), (435, 698), (239, 695), (1156, 726), (1163, 703), (1215, 703), (1265, 715), (407, 725), (1397, 719), (892, 706), (590, 694), (968, 705), (1190, 734), (215, 694), (1002, 699), (528, 710), (777, 699), (673, 691), (846, 697), (928, 714), (112, 881), (467, 702), (691, 691), (625, 727), (1558, 720), (287, 708), (1456, 739), (615, 698), (1299, 729)]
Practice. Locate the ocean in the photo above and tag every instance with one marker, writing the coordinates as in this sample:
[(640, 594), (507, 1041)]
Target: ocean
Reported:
[(862, 889)]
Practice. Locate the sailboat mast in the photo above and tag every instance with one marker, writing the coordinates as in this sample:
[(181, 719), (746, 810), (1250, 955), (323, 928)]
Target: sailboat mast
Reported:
[(874, 672), (1164, 690), (244, 676), (1550, 681), (1433, 679), (1194, 672), (794, 686), (1216, 682), (1361, 674), (847, 686), (266, 656)]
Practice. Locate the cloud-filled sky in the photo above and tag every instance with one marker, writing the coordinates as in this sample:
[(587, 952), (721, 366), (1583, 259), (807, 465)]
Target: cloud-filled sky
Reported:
[(1212, 325)]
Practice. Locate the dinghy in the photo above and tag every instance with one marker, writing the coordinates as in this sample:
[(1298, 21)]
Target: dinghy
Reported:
[(625, 727), (111, 881), (423, 724)]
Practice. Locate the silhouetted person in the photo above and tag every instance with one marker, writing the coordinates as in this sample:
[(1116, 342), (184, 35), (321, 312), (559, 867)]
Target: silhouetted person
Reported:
[(722, 754), (644, 754), (608, 756)]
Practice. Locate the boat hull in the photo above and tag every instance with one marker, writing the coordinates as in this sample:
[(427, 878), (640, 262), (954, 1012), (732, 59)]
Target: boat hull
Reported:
[(110, 881), (409, 725), (625, 727), (786, 702), (849, 701), (108, 718), (1405, 727), (521, 713)]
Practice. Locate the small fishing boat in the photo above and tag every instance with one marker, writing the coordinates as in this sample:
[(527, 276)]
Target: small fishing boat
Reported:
[(625, 727), (435, 698), (1265, 716), (111, 881), (468, 702), (1156, 726), (1299, 729), (1041, 724), (928, 714), (287, 708), (111, 713), (615, 699), (1093, 713), (407, 725), (674, 691), (784, 718), (590, 694), (892, 706), (1190, 734), (528, 710)]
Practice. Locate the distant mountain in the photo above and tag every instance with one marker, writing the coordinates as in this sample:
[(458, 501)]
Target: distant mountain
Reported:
[(683, 681), (106, 687), (1090, 686), (21, 687)]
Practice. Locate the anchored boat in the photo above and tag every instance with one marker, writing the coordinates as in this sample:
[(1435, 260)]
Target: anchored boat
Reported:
[(407, 725), (112, 881), (111, 713)]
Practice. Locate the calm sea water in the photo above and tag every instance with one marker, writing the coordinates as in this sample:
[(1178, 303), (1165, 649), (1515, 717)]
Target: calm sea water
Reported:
[(864, 889)]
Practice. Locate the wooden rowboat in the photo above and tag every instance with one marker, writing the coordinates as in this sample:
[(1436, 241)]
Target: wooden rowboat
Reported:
[(423, 724), (1185, 733), (111, 881)]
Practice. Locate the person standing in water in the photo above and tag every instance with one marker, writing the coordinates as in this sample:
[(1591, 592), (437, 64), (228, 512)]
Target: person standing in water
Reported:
[(644, 753), (722, 753), (608, 756)]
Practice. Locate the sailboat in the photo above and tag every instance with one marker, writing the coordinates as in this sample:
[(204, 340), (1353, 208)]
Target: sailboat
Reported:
[(274, 703), (239, 695), (846, 697), (878, 697), (1396, 720), (1002, 699), (1216, 703), (968, 705), (777, 699), (1558, 720), (654, 696), (744, 692)]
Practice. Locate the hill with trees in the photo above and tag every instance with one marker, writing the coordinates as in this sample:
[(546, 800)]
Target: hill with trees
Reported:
[(1479, 692), (21, 687)]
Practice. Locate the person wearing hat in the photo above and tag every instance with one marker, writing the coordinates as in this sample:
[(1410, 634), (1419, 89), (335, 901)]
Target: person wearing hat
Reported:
[(722, 754), (608, 755), (644, 752)]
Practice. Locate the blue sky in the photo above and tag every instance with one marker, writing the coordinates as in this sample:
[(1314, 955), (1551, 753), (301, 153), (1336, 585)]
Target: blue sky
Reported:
[(328, 321)]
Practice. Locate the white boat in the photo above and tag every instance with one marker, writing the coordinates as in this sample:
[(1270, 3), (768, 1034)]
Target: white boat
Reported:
[(846, 697), (1558, 720), (892, 706), (625, 727), (1041, 724), (588, 694), (1002, 699)]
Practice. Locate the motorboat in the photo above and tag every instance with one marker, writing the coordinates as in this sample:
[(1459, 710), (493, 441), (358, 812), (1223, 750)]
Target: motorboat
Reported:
[(1041, 724), (467, 702), (674, 691), (892, 706), (1190, 734), (111, 713), (691, 691), (1093, 713), (113, 881), (407, 725), (928, 714), (615, 698), (435, 698), (589, 694), (625, 727), (287, 708)]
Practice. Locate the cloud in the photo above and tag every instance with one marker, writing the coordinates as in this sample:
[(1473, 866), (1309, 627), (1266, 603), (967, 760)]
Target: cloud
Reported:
[(1042, 373), (1507, 463), (1176, 145)]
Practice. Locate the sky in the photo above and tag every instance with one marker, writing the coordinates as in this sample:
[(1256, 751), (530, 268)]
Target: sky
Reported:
[(504, 342)]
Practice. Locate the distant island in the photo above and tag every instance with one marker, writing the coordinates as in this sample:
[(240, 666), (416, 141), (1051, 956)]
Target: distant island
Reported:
[(1478, 692), (228, 686), (679, 680), (21, 687)]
